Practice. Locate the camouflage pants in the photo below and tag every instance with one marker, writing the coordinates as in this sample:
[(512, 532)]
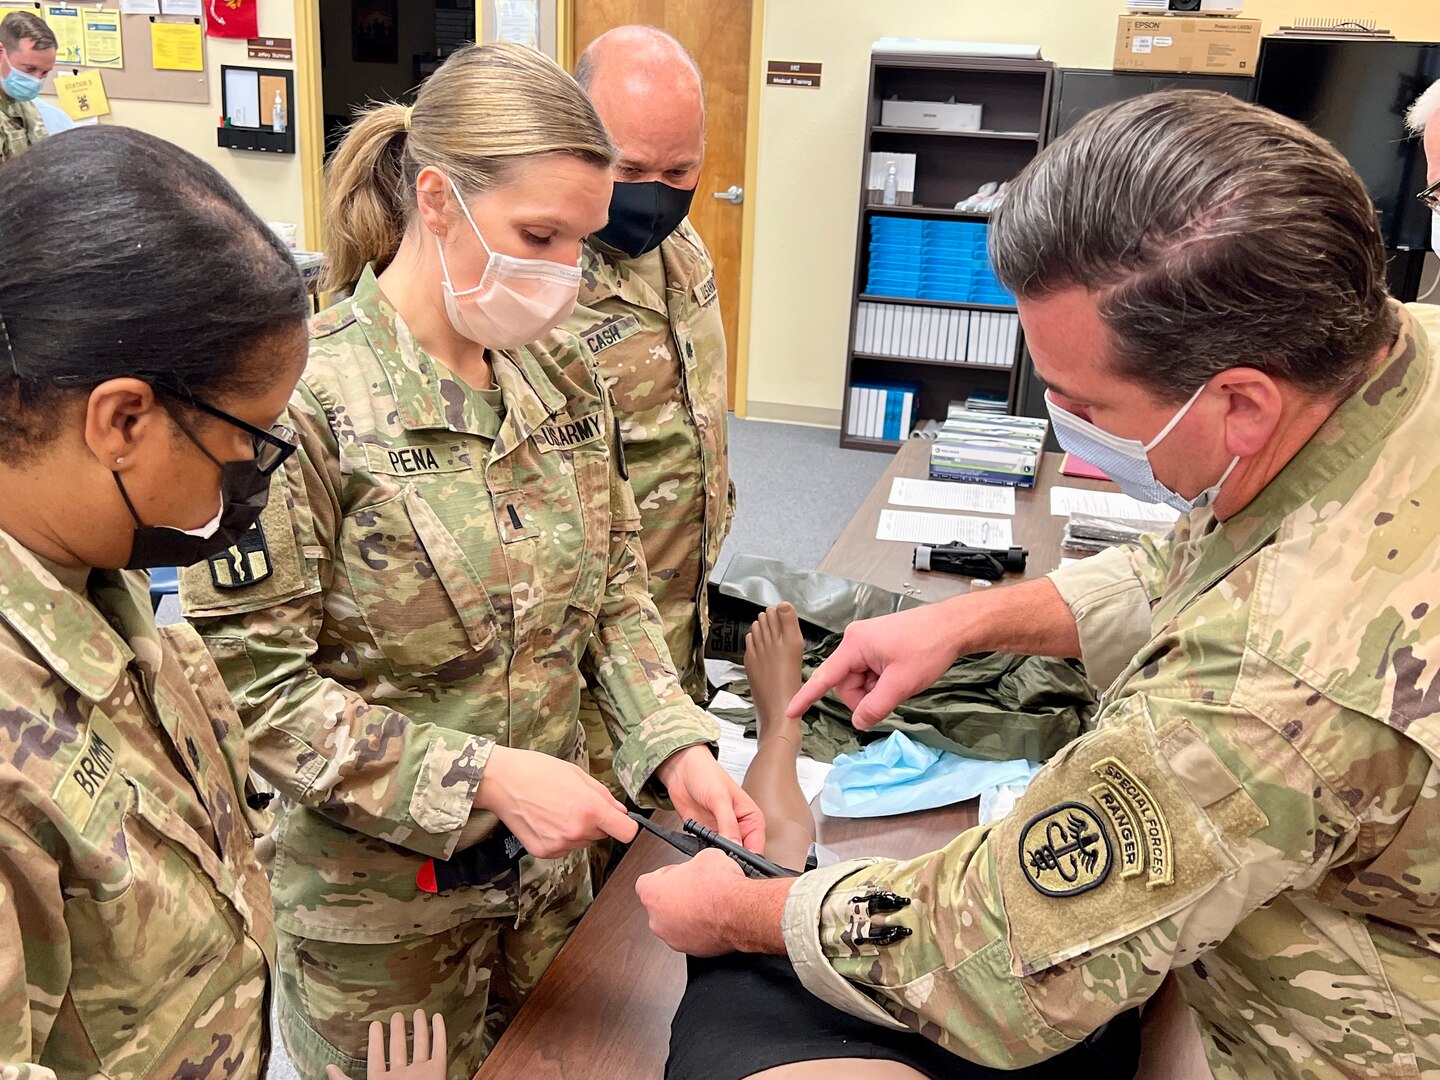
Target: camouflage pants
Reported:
[(477, 974)]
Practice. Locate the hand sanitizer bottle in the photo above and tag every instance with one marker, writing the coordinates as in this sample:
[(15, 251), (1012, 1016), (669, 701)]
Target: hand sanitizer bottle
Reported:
[(890, 198), (278, 123)]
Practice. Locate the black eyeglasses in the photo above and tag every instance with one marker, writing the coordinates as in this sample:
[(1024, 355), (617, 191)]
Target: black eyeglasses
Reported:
[(272, 448), (1431, 197)]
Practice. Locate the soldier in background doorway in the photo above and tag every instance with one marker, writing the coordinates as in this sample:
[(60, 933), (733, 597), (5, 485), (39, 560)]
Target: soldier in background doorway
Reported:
[(648, 311)]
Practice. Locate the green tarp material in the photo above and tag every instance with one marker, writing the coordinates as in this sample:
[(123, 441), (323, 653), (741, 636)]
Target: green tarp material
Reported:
[(995, 706)]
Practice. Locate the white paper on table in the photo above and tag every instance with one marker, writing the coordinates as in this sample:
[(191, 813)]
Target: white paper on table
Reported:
[(1065, 501), (182, 7), (949, 495), (1064, 562), (139, 7), (915, 527), (737, 752)]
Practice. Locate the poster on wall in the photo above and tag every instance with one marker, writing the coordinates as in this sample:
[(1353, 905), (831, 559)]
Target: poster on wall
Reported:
[(376, 38), (102, 38), (232, 18), (518, 21), (64, 23)]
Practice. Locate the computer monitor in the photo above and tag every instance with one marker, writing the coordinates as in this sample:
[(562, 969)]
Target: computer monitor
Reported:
[(1356, 93)]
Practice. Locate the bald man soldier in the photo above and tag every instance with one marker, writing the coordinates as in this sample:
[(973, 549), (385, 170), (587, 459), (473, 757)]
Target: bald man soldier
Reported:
[(649, 313)]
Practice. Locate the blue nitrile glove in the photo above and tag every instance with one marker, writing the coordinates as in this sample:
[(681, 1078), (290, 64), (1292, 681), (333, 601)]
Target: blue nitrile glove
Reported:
[(897, 776)]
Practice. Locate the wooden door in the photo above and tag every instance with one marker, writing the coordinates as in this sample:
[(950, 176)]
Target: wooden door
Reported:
[(717, 33)]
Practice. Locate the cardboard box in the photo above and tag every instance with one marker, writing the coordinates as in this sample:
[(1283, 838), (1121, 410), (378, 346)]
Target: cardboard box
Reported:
[(939, 115), (1188, 44)]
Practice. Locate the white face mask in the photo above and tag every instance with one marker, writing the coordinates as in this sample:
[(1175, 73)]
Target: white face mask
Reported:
[(1127, 461), (517, 301), (210, 528)]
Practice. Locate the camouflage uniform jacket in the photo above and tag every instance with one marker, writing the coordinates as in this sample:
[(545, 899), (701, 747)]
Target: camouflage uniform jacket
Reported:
[(1257, 804), (20, 127), (663, 361), (135, 924), (431, 579)]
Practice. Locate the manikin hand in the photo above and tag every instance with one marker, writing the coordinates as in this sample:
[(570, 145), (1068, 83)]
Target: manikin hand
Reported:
[(429, 1058)]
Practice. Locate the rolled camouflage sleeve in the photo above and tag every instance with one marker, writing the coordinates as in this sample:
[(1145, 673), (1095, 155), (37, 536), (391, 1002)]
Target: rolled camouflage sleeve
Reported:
[(34, 953), (1109, 595), (1138, 849), (366, 766), (627, 662)]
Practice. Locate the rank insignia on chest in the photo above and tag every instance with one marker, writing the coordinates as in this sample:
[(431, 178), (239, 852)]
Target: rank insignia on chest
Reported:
[(244, 563), (1065, 850)]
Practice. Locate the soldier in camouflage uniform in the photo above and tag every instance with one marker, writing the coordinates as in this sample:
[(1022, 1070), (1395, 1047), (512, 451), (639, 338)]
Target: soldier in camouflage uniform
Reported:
[(136, 933), (453, 554), (1256, 807), (27, 55), (650, 314)]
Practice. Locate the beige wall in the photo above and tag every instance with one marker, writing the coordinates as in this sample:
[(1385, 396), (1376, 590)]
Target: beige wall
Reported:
[(810, 146), (269, 182)]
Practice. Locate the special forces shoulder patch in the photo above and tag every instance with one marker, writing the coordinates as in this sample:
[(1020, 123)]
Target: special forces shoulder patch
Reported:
[(244, 563), (1065, 850)]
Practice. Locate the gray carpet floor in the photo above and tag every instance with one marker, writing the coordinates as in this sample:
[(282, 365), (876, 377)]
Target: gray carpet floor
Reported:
[(796, 489)]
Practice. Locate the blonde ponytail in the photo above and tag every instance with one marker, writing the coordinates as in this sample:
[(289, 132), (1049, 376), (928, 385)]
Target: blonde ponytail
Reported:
[(365, 199), (486, 107)]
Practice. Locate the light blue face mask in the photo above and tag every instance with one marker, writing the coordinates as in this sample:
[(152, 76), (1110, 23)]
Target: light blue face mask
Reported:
[(1127, 461), (20, 86)]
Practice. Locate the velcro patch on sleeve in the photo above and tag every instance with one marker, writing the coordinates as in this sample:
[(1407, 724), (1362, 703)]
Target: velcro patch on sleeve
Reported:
[(245, 562), (706, 291), (1105, 842), (265, 566)]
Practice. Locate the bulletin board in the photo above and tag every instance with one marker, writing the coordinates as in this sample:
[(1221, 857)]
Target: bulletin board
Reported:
[(137, 80)]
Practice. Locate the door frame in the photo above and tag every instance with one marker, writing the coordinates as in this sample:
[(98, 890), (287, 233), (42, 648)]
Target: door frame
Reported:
[(310, 133)]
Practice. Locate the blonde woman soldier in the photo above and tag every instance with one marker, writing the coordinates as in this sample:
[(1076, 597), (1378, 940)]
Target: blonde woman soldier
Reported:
[(454, 554)]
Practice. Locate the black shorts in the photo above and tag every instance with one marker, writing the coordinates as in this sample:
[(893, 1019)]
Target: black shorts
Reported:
[(742, 1014)]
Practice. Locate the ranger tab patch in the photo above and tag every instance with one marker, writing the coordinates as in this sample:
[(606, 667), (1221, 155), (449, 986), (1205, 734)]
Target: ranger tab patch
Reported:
[(1065, 850), (244, 563)]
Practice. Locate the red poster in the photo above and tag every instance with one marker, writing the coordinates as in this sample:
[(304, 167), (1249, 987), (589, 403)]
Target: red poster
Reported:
[(231, 18)]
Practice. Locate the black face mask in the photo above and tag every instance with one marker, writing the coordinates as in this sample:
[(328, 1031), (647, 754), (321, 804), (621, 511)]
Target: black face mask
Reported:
[(244, 491), (642, 215)]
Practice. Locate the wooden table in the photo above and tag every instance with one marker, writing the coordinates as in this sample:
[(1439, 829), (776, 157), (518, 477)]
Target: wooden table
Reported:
[(857, 555), (603, 1010)]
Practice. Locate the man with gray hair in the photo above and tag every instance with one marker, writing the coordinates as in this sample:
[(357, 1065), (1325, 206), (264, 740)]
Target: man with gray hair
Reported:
[(1201, 283), (650, 313), (27, 55)]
